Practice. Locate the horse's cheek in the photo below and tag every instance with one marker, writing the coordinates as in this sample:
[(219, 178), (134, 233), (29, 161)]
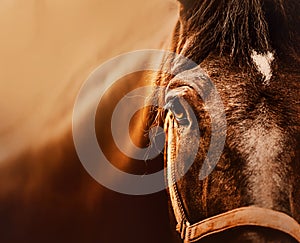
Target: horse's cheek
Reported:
[(188, 146)]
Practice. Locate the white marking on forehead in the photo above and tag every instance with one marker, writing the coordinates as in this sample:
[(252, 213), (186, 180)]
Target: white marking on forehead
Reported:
[(263, 64)]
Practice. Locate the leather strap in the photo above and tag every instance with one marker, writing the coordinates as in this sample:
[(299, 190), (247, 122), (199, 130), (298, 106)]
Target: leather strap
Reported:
[(245, 216), (177, 206)]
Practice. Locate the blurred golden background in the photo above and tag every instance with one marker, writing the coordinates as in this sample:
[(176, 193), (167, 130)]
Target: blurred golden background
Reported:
[(48, 48)]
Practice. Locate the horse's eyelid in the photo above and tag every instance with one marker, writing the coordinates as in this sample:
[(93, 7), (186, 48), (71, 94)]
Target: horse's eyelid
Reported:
[(170, 101)]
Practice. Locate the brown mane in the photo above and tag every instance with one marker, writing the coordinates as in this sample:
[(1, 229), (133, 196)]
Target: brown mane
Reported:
[(236, 28)]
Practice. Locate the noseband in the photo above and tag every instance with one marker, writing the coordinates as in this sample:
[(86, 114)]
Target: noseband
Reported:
[(244, 216)]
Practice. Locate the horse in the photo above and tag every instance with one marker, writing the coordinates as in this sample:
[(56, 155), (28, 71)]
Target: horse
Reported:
[(250, 52), (257, 171)]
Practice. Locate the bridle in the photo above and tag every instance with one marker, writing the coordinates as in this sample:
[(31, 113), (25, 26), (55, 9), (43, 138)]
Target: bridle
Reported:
[(244, 216)]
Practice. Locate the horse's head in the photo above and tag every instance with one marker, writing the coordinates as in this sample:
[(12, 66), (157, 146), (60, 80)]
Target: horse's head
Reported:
[(252, 195)]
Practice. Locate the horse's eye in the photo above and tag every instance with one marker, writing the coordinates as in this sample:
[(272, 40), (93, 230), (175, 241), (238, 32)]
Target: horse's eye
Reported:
[(178, 111)]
